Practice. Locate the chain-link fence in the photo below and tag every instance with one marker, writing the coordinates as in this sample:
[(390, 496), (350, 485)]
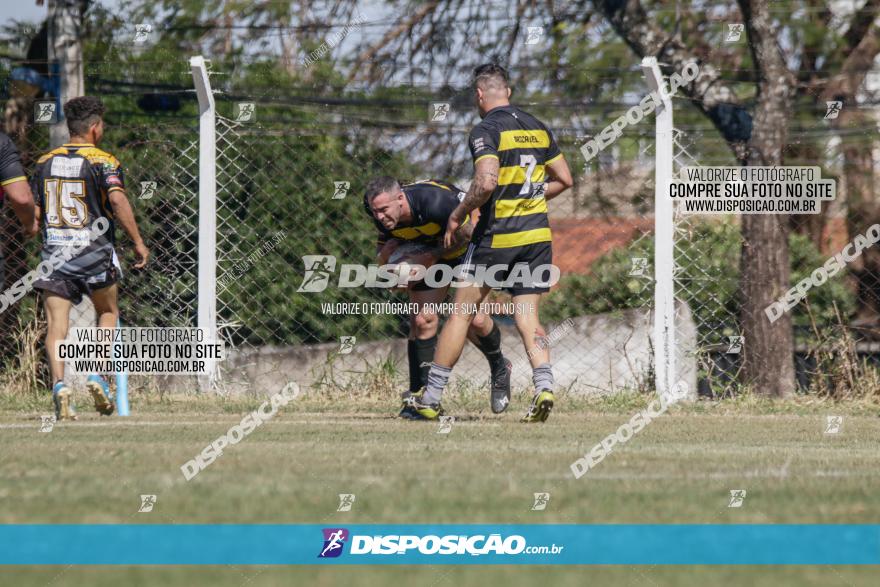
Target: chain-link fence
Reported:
[(287, 195), (707, 276), (161, 174), (290, 184)]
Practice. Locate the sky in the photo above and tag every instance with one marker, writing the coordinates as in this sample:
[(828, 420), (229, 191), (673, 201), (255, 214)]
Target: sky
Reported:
[(21, 10)]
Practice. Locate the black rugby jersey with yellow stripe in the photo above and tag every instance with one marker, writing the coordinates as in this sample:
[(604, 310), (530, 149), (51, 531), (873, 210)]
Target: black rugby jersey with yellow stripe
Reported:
[(11, 171), (516, 214), (431, 202), (71, 186)]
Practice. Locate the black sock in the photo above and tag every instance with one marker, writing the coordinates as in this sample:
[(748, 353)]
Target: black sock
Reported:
[(424, 357), (414, 378), (490, 346)]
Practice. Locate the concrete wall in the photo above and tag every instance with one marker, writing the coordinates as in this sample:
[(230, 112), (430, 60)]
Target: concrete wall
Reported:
[(598, 354)]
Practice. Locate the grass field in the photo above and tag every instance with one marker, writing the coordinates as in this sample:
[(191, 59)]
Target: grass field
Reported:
[(679, 469)]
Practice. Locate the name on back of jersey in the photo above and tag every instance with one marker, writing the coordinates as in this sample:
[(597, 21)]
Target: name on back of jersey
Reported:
[(66, 167), (526, 139)]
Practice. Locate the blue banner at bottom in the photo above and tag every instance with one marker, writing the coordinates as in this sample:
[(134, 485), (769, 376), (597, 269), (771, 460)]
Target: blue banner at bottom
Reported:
[(488, 544)]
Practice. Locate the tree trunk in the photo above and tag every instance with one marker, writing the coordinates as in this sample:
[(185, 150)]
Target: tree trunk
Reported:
[(768, 348)]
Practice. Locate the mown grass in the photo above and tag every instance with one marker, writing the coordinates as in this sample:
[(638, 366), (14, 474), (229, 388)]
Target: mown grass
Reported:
[(342, 437), (680, 469)]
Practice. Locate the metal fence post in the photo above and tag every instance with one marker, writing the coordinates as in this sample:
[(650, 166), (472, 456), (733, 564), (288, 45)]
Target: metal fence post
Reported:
[(207, 288), (664, 262)]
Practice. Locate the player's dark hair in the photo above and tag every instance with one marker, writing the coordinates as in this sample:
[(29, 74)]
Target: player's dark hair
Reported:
[(378, 185), (491, 74), (83, 112)]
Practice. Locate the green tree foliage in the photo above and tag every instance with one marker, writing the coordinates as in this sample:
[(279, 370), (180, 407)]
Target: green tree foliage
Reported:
[(708, 261)]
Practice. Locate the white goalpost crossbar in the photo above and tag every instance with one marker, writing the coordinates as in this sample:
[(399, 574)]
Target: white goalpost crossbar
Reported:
[(664, 261)]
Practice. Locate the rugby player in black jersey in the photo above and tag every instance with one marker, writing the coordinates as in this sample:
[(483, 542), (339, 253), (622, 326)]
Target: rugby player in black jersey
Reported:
[(75, 186), (517, 168), (417, 213), (14, 186)]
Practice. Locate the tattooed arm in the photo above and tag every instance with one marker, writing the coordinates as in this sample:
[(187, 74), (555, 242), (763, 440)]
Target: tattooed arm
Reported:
[(459, 239), (484, 183)]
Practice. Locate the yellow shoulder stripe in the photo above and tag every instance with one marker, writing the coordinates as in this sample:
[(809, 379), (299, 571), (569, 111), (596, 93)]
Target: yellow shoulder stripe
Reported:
[(484, 156), (549, 161), (13, 180), (427, 181), (96, 155), (52, 153)]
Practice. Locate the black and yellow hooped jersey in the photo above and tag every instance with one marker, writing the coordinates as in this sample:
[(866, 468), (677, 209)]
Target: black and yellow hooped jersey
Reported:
[(431, 201), (71, 186), (516, 214)]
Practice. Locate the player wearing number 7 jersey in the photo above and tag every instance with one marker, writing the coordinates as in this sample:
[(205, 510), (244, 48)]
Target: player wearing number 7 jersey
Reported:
[(518, 167), (74, 186)]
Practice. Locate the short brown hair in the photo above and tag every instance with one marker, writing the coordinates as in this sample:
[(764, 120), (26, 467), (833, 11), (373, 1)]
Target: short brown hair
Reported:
[(379, 185), (489, 75), (83, 112)]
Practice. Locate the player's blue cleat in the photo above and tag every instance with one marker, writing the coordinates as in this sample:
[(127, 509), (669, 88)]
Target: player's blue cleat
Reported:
[(62, 397), (100, 390), (539, 410)]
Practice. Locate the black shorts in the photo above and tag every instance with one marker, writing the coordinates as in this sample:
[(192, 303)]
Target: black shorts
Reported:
[(532, 261), (75, 289), (422, 286)]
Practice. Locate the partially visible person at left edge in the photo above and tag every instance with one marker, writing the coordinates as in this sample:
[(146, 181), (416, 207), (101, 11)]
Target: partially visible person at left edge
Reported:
[(14, 185)]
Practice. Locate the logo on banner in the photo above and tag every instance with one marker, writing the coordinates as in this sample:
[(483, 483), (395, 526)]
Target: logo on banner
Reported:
[(334, 540)]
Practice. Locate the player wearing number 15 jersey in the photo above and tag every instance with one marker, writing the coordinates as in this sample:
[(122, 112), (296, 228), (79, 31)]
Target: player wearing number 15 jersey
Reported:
[(80, 194)]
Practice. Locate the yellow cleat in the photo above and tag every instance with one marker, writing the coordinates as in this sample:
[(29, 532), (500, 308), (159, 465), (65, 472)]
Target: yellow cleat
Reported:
[(100, 391), (540, 408), (62, 397), (421, 411)]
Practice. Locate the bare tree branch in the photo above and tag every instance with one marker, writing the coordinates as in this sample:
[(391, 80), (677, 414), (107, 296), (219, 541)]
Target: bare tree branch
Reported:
[(405, 26), (845, 84), (708, 91), (860, 23)]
